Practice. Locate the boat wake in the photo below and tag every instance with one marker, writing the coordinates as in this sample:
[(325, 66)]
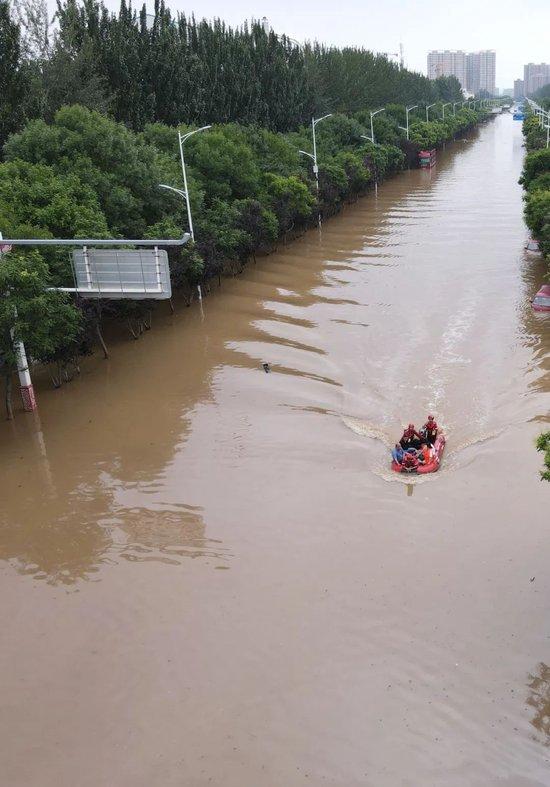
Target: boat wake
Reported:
[(456, 456)]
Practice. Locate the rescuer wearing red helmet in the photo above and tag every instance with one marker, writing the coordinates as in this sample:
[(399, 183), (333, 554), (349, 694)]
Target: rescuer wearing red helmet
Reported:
[(411, 438), (430, 429)]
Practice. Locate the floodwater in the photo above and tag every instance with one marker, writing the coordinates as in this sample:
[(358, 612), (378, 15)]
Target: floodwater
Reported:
[(208, 574)]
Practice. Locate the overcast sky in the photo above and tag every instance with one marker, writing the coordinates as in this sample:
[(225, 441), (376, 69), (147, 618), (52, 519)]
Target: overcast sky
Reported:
[(519, 31)]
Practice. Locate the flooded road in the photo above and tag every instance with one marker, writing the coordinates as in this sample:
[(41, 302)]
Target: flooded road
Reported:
[(208, 574)]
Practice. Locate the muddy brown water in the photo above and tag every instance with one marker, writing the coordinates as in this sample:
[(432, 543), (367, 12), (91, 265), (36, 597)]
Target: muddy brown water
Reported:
[(208, 574)]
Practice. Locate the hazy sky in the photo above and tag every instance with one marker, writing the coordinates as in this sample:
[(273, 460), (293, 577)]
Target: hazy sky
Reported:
[(519, 31)]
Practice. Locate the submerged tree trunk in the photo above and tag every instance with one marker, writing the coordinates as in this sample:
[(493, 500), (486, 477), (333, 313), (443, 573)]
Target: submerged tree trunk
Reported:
[(8, 391)]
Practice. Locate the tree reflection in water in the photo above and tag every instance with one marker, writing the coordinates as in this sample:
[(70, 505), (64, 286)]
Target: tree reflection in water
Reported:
[(539, 699)]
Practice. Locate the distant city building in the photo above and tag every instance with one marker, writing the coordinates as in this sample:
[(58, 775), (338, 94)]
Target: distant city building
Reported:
[(507, 91), (448, 64), (476, 71), (535, 76), (519, 90), (481, 71)]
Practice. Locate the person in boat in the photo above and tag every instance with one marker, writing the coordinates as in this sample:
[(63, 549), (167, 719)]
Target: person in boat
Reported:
[(397, 454), (411, 438), (425, 454), (410, 460), (430, 430)]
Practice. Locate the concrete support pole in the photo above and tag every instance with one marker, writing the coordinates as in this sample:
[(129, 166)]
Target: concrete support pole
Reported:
[(25, 382)]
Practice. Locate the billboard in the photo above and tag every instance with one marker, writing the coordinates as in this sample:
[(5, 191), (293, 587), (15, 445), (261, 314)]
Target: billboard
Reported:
[(124, 273)]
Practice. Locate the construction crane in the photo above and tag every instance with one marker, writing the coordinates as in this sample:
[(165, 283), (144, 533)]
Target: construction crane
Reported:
[(399, 55)]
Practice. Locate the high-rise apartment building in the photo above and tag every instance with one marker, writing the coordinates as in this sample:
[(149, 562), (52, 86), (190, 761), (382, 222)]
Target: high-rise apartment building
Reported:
[(535, 75), (448, 64), (481, 71), (519, 90), (475, 71)]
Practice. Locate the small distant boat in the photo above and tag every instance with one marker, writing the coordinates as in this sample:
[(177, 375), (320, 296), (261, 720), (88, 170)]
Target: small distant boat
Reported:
[(430, 467)]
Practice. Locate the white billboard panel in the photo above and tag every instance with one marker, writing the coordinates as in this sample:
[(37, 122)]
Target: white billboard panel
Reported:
[(124, 273)]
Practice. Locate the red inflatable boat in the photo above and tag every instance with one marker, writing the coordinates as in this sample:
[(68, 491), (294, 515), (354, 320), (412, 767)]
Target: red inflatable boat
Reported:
[(431, 467)]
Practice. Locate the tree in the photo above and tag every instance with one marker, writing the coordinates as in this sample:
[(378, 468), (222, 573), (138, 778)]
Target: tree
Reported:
[(537, 211), (289, 199), (536, 163), (34, 22), (37, 202), (119, 166), (45, 321), (543, 444), (448, 88), (13, 81)]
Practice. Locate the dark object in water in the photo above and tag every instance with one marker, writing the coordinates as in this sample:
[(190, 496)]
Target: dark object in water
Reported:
[(266, 367)]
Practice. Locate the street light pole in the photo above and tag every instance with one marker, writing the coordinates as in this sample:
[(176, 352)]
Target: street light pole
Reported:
[(185, 196), (407, 110), (428, 107), (372, 114), (448, 104), (182, 139), (454, 107), (313, 157)]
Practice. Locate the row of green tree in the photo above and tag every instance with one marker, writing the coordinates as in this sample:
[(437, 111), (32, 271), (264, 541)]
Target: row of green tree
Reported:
[(84, 175), (542, 96), (142, 69), (535, 179)]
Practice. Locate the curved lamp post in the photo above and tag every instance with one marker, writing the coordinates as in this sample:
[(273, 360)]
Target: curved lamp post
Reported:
[(372, 114), (313, 156), (448, 104), (407, 110), (428, 107), (181, 139), (185, 196)]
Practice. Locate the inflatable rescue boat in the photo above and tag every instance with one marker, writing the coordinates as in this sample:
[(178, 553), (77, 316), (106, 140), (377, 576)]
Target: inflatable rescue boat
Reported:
[(429, 467)]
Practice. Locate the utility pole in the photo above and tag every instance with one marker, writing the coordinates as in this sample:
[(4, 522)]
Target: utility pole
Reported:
[(25, 382)]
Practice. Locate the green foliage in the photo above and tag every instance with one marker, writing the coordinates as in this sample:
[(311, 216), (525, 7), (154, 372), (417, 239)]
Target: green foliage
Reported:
[(448, 89), (427, 135), (259, 223), (182, 70), (537, 211), (37, 202), (357, 174), (121, 168), (224, 164), (536, 180), (535, 136), (543, 444), (536, 163), (540, 183), (45, 321), (290, 200), (13, 80)]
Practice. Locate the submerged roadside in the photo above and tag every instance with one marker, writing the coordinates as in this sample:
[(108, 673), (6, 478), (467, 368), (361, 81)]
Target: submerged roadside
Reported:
[(83, 175)]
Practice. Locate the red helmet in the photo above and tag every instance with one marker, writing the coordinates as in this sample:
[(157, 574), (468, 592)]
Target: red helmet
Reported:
[(410, 427), (430, 418)]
